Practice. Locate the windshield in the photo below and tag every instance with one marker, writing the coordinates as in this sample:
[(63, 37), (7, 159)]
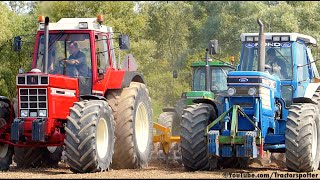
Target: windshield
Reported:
[(62, 47), (278, 58), (218, 78)]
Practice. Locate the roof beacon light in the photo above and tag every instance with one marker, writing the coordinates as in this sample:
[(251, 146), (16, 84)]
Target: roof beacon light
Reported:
[(41, 19), (100, 19)]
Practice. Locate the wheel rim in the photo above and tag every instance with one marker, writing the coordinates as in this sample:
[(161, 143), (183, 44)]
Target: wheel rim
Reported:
[(51, 149), (141, 127), (314, 141), (102, 138)]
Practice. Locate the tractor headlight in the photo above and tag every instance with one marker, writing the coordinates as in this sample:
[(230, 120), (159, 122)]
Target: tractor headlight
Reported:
[(231, 91), (42, 113), (33, 114), (24, 113), (252, 91)]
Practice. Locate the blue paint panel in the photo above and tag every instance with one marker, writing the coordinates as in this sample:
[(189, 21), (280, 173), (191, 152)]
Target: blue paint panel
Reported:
[(240, 151), (274, 139), (252, 73), (226, 151)]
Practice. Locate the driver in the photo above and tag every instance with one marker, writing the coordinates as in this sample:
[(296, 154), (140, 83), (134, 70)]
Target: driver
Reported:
[(278, 66), (77, 59)]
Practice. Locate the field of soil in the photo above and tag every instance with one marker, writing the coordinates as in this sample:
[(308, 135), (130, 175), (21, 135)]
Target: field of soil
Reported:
[(160, 170)]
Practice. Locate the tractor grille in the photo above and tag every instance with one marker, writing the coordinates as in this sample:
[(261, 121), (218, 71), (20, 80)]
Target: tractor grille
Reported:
[(33, 101)]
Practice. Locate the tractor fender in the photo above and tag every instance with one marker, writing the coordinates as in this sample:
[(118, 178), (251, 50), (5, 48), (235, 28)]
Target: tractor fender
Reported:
[(92, 97), (5, 99), (132, 76), (208, 101), (310, 91)]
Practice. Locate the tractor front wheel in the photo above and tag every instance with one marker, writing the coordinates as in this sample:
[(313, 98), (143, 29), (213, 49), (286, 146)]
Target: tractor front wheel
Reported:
[(90, 137), (302, 137), (194, 146)]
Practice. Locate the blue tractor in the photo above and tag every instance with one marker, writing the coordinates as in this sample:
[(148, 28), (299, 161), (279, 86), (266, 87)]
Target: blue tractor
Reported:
[(272, 104)]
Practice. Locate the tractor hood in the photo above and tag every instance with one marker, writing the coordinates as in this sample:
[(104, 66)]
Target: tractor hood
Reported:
[(253, 78)]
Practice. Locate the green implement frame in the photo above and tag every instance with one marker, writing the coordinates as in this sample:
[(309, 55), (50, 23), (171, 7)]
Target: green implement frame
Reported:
[(233, 138)]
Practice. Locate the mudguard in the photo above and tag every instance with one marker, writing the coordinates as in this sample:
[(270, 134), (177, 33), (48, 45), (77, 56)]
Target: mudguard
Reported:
[(130, 76), (310, 91)]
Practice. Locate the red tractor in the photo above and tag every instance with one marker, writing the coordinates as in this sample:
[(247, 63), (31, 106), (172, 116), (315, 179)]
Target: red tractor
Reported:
[(77, 101)]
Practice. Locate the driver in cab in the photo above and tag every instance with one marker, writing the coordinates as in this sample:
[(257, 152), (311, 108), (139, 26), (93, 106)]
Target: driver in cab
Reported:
[(278, 66), (77, 59)]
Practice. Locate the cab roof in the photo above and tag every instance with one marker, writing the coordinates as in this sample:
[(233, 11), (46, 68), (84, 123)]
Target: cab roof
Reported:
[(73, 24), (211, 63), (293, 37)]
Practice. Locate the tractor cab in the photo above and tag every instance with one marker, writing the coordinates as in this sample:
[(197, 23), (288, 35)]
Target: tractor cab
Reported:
[(219, 71), (287, 58)]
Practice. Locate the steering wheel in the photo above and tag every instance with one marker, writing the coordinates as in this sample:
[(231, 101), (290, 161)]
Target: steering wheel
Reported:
[(61, 62)]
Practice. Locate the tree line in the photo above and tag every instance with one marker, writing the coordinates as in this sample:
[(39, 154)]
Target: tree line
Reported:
[(164, 35)]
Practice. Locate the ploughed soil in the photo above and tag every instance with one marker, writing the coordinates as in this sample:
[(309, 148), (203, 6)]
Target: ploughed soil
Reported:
[(156, 169)]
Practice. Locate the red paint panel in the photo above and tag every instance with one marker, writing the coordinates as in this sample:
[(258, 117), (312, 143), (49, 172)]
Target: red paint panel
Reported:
[(112, 80), (63, 82), (60, 104), (115, 79)]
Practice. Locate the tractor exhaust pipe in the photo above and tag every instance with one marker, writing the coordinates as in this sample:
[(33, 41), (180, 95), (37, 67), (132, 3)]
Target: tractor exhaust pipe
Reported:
[(261, 47), (46, 41), (208, 76)]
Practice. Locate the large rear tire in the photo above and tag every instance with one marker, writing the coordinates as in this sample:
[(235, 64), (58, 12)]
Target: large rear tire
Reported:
[(194, 147), (89, 141), (167, 119), (180, 106), (302, 137), (134, 126)]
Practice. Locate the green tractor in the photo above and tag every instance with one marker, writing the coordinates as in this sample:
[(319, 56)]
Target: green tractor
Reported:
[(208, 90)]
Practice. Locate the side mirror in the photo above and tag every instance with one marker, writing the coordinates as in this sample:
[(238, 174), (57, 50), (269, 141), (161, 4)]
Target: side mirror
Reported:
[(124, 42), (175, 74), (213, 47), (17, 43)]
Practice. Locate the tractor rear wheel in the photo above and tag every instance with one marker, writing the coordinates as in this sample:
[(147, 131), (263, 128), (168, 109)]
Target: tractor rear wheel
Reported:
[(90, 137), (194, 147), (167, 119), (180, 106), (134, 126), (302, 137)]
